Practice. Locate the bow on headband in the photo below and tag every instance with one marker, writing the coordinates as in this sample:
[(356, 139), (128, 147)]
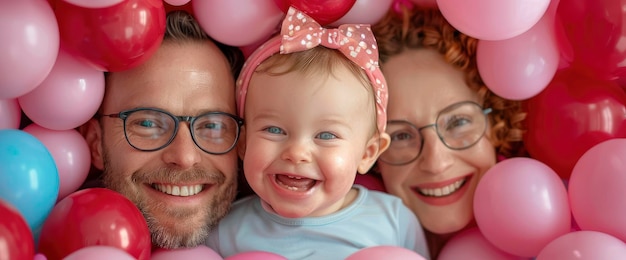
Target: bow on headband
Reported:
[(355, 41), (300, 32)]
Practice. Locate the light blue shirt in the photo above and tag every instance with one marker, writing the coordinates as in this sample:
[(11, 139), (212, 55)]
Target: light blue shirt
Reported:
[(373, 219)]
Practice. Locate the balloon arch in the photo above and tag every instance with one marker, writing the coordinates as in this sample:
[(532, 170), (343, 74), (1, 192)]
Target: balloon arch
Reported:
[(565, 59)]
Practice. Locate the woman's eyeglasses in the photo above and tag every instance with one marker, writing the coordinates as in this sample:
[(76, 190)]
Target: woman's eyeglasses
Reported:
[(459, 126)]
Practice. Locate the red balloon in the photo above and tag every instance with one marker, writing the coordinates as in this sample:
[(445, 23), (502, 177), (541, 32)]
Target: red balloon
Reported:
[(620, 77), (572, 114), (95, 216), (323, 11), (16, 239), (186, 7), (112, 38), (593, 31)]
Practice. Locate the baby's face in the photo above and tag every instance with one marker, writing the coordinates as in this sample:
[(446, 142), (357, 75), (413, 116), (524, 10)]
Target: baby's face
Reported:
[(307, 135)]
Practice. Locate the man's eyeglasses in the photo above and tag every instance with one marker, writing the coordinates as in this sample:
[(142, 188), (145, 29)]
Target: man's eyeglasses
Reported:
[(151, 129), (459, 126)]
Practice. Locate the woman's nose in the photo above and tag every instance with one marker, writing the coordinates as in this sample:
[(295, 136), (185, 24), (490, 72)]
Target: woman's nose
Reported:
[(435, 156)]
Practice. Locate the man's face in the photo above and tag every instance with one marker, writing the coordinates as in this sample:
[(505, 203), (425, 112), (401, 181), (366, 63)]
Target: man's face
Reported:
[(181, 190)]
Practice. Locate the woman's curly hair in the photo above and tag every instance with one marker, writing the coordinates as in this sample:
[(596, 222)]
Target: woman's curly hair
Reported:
[(425, 27)]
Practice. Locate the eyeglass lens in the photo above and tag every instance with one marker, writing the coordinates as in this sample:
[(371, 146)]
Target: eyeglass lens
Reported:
[(151, 130), (458, 126)]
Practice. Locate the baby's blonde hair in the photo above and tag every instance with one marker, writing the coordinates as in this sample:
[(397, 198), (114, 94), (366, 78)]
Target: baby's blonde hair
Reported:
[(316, 61)]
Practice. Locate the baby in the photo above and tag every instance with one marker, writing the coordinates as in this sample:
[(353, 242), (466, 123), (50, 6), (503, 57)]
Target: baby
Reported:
[(314, 102)]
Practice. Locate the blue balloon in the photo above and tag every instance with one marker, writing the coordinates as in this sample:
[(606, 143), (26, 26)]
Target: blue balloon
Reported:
[(29, 179)]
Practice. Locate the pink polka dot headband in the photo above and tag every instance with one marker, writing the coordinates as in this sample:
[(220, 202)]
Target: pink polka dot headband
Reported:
[(300, 32)]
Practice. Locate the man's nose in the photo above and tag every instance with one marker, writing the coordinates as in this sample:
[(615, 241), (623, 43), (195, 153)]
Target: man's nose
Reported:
[(182, 151)]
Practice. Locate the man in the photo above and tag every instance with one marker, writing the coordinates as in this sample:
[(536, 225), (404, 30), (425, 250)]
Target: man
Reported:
[(166, 133)]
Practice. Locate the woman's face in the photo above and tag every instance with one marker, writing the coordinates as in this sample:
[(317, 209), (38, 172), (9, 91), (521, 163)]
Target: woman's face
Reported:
[(439, 185)]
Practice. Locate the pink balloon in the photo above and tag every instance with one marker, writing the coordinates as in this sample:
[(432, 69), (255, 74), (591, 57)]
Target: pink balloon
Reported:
[(596, 188), (94, 3), (40, 257), (177, 2), (10, 114), (253, 255), (199, 252), (365, 12), (29, 45), (584, 245), (493, 19), (520, 67), (71, 156), (520, 205), (238, 22), (68, 97), (99, 253), (470, 244), (385, 252)]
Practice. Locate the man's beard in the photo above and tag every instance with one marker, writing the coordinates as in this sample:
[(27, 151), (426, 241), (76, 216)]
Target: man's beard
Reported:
[(192, 226)]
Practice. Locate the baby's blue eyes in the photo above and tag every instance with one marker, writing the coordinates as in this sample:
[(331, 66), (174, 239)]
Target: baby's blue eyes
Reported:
[(274, 130), (326, 136), (278, 131)]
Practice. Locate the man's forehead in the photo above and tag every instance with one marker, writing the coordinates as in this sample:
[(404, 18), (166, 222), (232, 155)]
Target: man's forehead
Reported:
[(175, 74)]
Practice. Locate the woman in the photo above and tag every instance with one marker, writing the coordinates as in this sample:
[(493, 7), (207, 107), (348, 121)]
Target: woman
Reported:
[(447, 128)]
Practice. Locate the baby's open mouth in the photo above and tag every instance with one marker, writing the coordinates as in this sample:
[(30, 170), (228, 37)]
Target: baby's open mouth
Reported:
[(294, 183)]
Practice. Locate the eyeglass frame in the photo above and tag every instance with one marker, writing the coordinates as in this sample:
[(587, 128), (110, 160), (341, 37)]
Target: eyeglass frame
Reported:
[(485, 112), (177, 120)]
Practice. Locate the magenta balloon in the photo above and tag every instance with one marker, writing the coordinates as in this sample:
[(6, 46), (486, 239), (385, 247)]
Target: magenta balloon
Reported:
[(71, 156), (68, 97), (493, 19), (29, 45), (584, 245), (596, 188), (520, 205), (322, 11), (99, 253), (10, 114), (593, 33), (238, 22), (199, 252), (94, 3), (385, 252), (520, 67), (365, 12), (114, 38), (470, 244), (574, 113)]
